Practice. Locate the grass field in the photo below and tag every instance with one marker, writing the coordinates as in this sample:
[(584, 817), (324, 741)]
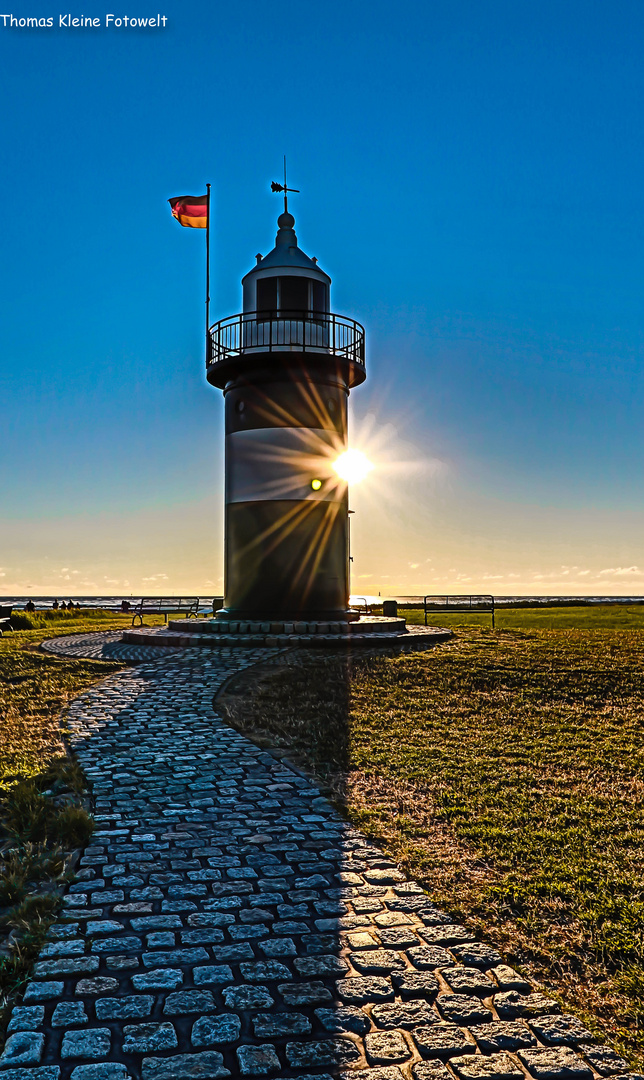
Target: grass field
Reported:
[(35, 687), (505, 770), (584, 617)]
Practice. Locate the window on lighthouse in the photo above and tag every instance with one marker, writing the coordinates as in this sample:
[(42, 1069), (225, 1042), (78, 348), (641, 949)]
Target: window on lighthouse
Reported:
[(318, 297), (267, 298), (290, 297), (293, 297)]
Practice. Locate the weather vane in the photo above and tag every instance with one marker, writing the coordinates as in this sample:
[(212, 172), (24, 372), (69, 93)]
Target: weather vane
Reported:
[(284, 188)]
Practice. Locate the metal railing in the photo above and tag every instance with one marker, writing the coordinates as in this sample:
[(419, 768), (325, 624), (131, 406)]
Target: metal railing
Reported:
[(483, 604), (314, 332)]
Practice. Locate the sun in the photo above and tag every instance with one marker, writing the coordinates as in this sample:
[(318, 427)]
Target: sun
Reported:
[(352, 466)]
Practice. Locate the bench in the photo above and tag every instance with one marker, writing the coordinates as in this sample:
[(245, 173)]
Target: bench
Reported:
[(190, 606), (5, 619), (449, 604)]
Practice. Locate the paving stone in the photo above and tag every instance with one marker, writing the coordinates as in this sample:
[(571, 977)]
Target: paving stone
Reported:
[(26, 1018), (502, 1035), (494, 1067), (184, 1002), (144, 1038), (360, 939), (122, 963), (265, 970), (211, 1030), (247, 997), (384, 877), (123, 944), (429, 957), (63, 948), (210, 918), (398, 938), (280, 1025), (175, 956), (344, 1018), (257, 1060), (69, 1014), (159, 979), (231, 954), (442, 1041), (23, 1048), (102, 985), (156, 922), (378, 961), (448, 934), (75, 965), (385, 1047), (93, 1043), (124, 1008), (604, 1060), (281, 947), (464, 1010), (559, 1064), (465, 980), (361, 990), (46, 991), (102, 1071), (509, 979), (414, 985), (408, 1014), (103, 926), (382, 1072), (561, 1030), (304, 993), (511, 1004), (476, 955), (205, 1066), (327, 1052), (319, 965), (430, 1070), (45, 1072)]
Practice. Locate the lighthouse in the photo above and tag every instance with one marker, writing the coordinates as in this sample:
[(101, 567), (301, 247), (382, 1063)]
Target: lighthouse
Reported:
[(286, 365)]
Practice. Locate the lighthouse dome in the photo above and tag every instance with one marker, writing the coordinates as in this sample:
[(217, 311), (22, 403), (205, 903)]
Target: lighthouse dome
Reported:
[(286, 279)]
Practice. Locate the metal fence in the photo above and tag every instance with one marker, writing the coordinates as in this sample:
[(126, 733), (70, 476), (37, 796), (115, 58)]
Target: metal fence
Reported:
[(319, 332), (483, 604)]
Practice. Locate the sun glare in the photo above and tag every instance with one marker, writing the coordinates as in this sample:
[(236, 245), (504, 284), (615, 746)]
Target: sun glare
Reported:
[(352, 466)]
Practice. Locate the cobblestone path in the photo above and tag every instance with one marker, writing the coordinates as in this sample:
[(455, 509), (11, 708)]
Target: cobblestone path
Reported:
[(227, 922)]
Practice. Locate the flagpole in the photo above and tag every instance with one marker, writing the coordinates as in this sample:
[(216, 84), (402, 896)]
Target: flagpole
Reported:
[(208, 275)]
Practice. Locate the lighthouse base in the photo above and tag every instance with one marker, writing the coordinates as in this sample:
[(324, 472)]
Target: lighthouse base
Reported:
[(219, 633)]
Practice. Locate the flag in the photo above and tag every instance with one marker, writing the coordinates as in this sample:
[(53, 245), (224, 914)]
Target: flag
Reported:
[(190, 210)]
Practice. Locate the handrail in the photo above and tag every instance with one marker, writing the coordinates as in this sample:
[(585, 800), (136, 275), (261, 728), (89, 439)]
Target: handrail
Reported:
[(258, 332), (483, 603)]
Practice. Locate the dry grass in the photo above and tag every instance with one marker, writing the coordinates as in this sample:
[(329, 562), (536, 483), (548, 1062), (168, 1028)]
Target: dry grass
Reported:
[(505, 771)]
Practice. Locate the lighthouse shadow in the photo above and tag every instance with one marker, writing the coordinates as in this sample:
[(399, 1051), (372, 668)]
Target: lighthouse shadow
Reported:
[(298, 707)]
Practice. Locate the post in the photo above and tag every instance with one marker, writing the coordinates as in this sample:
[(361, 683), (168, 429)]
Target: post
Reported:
[(208, 274)]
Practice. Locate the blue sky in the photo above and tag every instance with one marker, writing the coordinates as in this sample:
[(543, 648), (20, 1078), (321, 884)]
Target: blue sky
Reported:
[(471, 177)]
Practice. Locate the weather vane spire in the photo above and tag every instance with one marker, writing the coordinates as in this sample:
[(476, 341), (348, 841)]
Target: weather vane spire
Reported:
[(284, 188)]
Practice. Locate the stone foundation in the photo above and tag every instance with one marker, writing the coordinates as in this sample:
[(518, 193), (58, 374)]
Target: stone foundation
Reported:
[(214, 633)]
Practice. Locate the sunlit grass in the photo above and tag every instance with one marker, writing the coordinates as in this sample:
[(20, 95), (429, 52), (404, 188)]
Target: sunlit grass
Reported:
[(584, 617)]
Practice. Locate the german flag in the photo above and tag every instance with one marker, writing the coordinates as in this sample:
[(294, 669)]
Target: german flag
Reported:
[(190, 210)]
